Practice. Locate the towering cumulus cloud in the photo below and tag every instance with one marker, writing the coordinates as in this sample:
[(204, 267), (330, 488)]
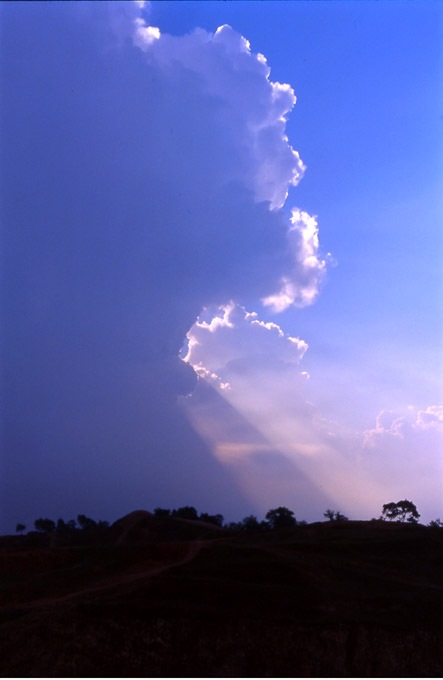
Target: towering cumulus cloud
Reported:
[(252, 111), (146, 185)]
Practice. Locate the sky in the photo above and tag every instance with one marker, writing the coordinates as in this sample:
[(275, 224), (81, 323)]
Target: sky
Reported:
[(222, 254)]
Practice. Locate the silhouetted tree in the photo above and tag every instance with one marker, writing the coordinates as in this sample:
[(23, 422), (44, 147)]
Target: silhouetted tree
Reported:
[(235, 526), (44, 525), (102, 524), (86, 523), (212, 519), (20, 528), (402, 511), (161, 512), (281, 517), (186, 512), (329, 514)]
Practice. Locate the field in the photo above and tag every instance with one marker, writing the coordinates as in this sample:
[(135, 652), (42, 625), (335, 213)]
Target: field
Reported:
[(171, 597)]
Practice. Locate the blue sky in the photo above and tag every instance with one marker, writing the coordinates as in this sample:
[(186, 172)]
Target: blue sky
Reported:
[(143, 173)]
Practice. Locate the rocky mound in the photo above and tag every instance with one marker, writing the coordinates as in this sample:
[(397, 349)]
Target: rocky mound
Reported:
[(141, 527)]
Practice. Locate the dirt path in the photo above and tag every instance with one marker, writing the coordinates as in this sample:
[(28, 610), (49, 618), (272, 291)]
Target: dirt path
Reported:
[(122, 579)]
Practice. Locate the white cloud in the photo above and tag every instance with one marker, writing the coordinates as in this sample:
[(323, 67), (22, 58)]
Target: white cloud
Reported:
[(301, 288), (415, 427), (234, 335), (145, 35), (255, 105), (431, 418), (125, 19)]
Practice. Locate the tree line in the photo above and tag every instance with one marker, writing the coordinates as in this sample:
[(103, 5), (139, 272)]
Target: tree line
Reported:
[(275, 518), (48, 526)]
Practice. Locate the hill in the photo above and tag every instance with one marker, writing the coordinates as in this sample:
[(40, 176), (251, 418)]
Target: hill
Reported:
[(153, 596)]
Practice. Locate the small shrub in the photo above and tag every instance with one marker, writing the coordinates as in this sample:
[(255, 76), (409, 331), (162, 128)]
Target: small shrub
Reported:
[(436, 523), (335, 515)]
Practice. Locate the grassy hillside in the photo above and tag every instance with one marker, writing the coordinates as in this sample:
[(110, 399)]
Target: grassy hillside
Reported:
[(169, 597)]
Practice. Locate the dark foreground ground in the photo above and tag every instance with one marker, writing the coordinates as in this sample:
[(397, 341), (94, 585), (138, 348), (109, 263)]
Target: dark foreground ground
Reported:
[(168, 597)]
